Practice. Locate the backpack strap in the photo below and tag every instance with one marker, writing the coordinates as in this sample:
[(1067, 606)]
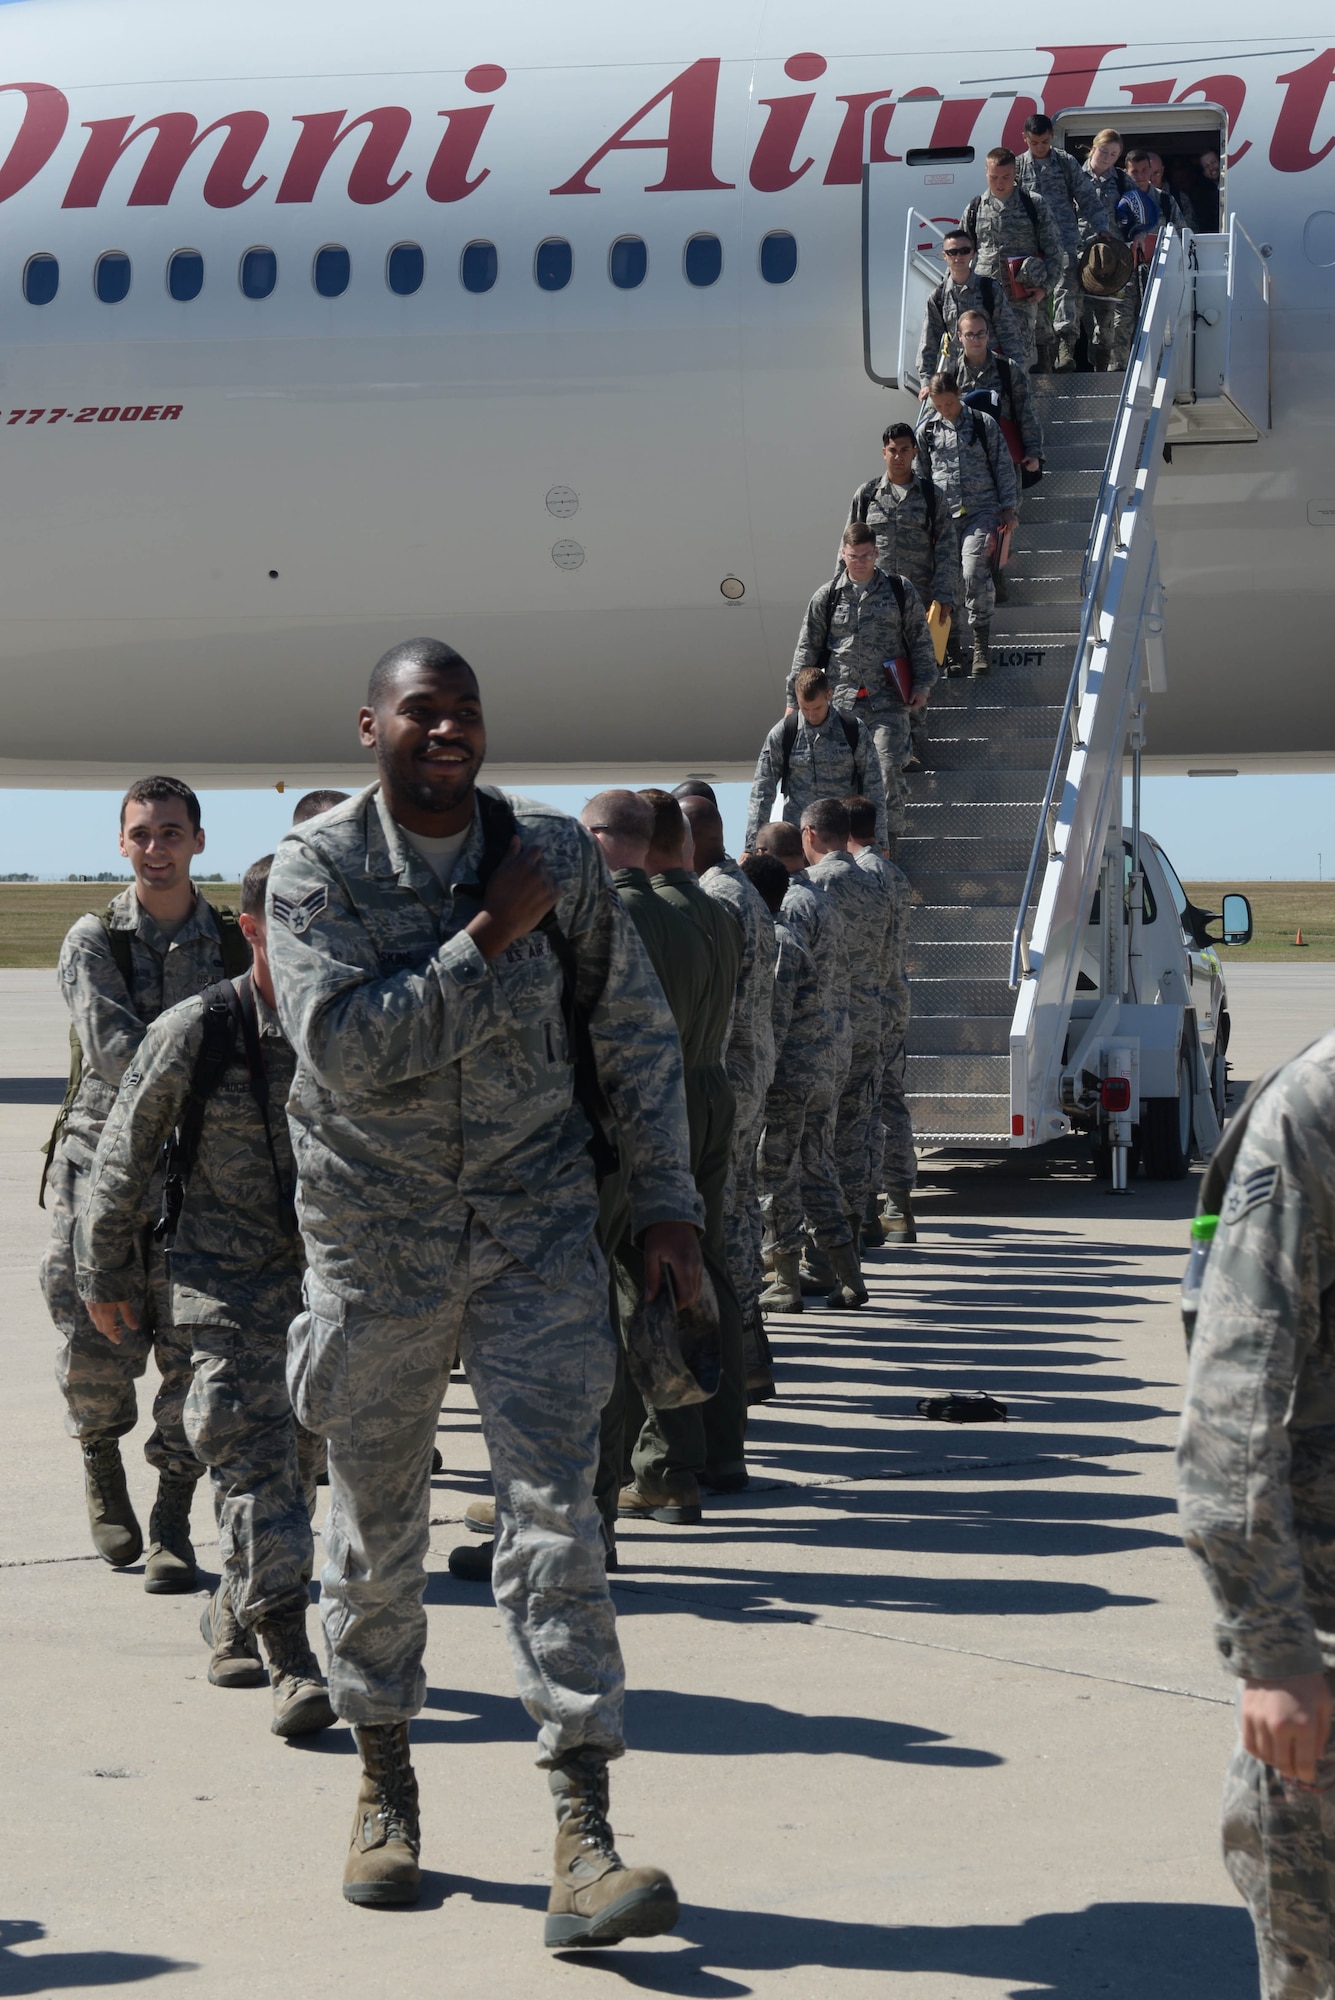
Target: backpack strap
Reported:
[(896, 584), (1027, 202), (233, 946), (862, 500), (499, 827), (786, 763), (258, 1074), (850, 725), (222, 1018), (969, 219), (830, 608), (987, 286), (120, 945)]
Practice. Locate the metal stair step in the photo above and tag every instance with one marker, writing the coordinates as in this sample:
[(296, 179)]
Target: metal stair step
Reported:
[(937, 1075), (1082, 394), (1020, 785), (940, 1118), (1056, 492), (1031, 588), (972, 959), (952, 923), (1017, 619), (1028, 684), (945, 820), (964, 854), (1068, 453), (962, 996), (1050, 531), (953, 1034), (999, 887)]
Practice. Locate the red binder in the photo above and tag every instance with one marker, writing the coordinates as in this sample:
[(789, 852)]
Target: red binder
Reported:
[(899, 673)]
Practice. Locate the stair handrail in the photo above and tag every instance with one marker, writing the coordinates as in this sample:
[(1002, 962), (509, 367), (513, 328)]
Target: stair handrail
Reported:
[(906, 360), (1154, 337)]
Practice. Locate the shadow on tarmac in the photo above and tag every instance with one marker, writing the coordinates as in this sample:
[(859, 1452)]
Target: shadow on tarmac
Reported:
[(1174, 1951), (49, 1971)]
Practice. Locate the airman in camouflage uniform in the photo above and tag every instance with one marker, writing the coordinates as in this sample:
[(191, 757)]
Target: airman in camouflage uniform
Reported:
[(1256, 1488), (861, 900), (894, 1163), (799, 1179), (1110, 323), (852, 627), (1009, 222), (1059, 178), (449, 1204), (820, 763), (109, 1015), (236, 1263), (972, 469), (750, 1063), (915, 538), (961, 289)]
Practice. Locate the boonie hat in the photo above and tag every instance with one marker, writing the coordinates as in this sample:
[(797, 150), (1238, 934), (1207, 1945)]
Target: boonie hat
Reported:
[(1106, 264), (675, 1353)]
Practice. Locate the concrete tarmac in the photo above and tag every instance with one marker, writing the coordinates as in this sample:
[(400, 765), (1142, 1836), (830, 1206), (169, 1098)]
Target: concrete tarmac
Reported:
[(930, 1703)]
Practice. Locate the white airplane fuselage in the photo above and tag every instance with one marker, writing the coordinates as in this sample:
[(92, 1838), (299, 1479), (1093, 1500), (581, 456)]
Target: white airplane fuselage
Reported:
[(220, 510)]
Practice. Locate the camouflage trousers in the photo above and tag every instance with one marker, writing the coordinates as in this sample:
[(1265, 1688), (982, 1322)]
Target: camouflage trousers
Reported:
[(892, 737), (894, 1164), (540, 1361), (742, 1227), (1110, 326), (1067, 298), (852, 1129), (798, 1176), (96, 1378), (674, 1446), (1027, 313), (978, 547), (1280, 1852), (238, 1417)]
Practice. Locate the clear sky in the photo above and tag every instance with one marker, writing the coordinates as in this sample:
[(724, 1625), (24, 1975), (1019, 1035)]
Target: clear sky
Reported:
[(1213, 829)]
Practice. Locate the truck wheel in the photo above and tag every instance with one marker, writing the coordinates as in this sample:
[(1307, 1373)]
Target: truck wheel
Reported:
[(1165, 1128)]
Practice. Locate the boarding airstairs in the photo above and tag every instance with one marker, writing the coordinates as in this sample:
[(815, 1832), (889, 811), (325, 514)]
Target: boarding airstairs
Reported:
[(1017, 822)]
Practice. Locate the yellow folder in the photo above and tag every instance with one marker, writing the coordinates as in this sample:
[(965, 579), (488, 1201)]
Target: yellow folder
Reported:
[(938, 624)]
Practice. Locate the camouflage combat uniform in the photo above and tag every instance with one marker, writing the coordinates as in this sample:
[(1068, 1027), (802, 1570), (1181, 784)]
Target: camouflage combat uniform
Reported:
[(865, 630), (1011, 384), (703, 947), (975, 477), (448, 1204), (96, 1379), (1110, 324), (750, 1062), (1064, 185), (820, 766), (860, 900), (235, 1285), (1256, 1488), (944, 307), (796, 1164), (894, 1164), (1005, 229), (915, 538)]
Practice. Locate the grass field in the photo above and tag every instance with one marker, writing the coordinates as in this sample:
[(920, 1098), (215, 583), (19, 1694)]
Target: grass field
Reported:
[(1279, 911), (34, 916)]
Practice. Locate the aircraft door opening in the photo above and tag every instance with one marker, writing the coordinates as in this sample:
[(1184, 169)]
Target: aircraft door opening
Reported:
[(907, 205)]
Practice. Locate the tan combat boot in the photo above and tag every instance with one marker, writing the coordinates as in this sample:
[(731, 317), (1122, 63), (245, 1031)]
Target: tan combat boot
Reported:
[(982, 657), (381, 1871), (900, 1226), (849, 1292), (595, 1898), (170, 1568), (235, 1661), (301, 1702), (117, 1536), (783, 1294)]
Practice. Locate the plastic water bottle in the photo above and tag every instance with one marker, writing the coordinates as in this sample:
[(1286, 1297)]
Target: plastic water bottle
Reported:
[(1202, 1237)]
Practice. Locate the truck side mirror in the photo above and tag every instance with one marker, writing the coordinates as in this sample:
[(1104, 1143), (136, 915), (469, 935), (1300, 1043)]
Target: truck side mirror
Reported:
[(1237, 920)]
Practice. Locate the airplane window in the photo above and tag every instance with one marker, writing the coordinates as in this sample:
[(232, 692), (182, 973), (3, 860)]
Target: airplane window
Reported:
[(477, 267), (406, 269), (185, 274), (41, 279), (778, 257), (333, 269), (259, 273), (627, 262), (553, 262), (111, 277), (703, 260)]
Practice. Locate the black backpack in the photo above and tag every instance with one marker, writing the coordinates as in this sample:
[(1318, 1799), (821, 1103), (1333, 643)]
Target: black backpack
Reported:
[(862, 499), (499, 827), (227, 1013), (987, 286), (232, 949)]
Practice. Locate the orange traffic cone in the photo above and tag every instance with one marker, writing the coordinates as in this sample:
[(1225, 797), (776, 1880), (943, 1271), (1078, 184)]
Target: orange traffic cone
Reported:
[(1300, 939)]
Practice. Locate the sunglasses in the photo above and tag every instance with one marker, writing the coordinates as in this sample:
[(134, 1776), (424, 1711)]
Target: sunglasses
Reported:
[(959, 253)]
